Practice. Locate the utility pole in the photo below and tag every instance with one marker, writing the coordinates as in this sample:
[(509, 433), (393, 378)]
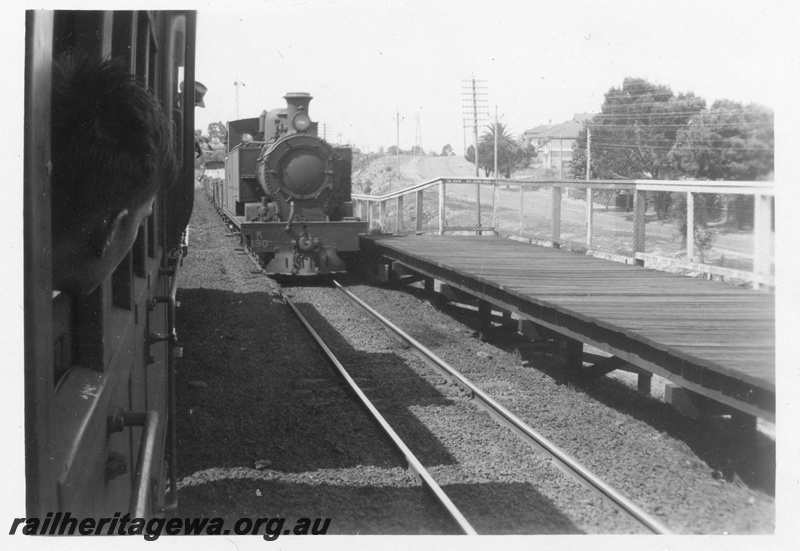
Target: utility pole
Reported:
[(496, 132), (475, 106), (398, 119), (418, 136)]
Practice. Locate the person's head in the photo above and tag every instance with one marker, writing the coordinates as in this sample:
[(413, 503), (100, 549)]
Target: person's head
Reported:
[(112, 151)]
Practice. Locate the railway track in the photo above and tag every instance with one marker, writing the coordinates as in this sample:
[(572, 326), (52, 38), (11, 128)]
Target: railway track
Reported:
[(265, 430), (486, 403)]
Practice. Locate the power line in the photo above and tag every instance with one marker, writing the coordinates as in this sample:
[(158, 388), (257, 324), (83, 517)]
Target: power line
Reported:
[(632, 100), (607, 145), (643, 139), (677, 125), (673, 114)]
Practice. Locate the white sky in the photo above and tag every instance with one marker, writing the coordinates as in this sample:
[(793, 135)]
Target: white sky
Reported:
[(541, 61)]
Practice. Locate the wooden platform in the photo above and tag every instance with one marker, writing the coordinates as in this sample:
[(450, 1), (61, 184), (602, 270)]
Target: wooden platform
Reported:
[(711, 338)]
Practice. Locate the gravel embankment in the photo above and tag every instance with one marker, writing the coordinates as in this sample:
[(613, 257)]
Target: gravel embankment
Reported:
[(266, 430)]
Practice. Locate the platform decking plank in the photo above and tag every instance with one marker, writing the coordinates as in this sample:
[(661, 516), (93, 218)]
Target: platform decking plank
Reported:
[(724, 328)]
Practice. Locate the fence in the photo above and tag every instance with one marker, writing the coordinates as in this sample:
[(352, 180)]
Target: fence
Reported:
[(722, 229)]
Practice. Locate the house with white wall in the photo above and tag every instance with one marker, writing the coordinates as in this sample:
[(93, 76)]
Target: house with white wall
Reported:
[(554, 142)]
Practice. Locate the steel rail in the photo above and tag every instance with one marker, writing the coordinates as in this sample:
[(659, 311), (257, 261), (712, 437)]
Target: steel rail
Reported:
[(413, 463), (567, 464)]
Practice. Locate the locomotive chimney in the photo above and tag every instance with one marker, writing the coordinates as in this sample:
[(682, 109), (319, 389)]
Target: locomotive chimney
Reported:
[(262, 125), (297, 113)]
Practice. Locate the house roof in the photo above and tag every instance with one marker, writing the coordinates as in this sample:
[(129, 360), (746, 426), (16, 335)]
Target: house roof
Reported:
[(536, 129), (565, 130), (569, 129)]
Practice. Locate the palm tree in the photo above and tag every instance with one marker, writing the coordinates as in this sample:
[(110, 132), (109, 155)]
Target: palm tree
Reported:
[(511, 152)]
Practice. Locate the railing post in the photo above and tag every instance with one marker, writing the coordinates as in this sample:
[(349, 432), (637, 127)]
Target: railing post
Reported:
[(689, 226), (639, 207), (762, 238), (383, 221), (589, 217), (420, 212), (495, 205), (442, 222), (478, 205), (399, 223), (555, 216)]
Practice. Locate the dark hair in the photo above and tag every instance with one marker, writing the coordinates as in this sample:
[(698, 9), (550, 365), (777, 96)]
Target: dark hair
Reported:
[(111, 142)]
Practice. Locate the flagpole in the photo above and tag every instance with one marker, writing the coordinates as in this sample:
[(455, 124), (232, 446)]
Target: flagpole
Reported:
[(237, 97), (236, 83)]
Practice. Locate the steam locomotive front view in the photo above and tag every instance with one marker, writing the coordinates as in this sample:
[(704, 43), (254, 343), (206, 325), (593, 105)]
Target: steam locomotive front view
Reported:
[(287, 191)]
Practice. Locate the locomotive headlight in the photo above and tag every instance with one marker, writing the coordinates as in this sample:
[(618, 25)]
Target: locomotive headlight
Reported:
[(301, 122)]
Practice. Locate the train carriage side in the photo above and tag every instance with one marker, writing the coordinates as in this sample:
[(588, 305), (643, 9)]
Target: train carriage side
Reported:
[(98, 422)]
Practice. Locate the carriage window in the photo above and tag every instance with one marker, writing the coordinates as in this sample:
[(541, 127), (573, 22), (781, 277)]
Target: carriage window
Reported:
[(123, 38), (178, 61), (145, 51)]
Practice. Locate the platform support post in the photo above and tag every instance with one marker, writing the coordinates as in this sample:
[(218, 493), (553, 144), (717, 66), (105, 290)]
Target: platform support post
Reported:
[(744, 421), (644, 383), (573, 353), (484, 317)]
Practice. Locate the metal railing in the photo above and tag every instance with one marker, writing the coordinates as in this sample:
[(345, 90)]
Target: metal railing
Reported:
[(723, 229)]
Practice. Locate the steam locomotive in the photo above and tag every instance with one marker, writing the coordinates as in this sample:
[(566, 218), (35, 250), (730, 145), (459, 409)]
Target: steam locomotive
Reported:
[(99, 368), (287, 192)]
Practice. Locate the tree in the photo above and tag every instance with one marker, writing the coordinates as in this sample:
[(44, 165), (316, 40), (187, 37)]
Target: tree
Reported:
[(633, 135), (217, 130), (447, 150), (729, 141), (512, 154), (470, 154)]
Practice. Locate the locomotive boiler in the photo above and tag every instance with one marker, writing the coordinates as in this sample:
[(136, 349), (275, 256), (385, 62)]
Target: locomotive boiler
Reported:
[(287, 192)]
